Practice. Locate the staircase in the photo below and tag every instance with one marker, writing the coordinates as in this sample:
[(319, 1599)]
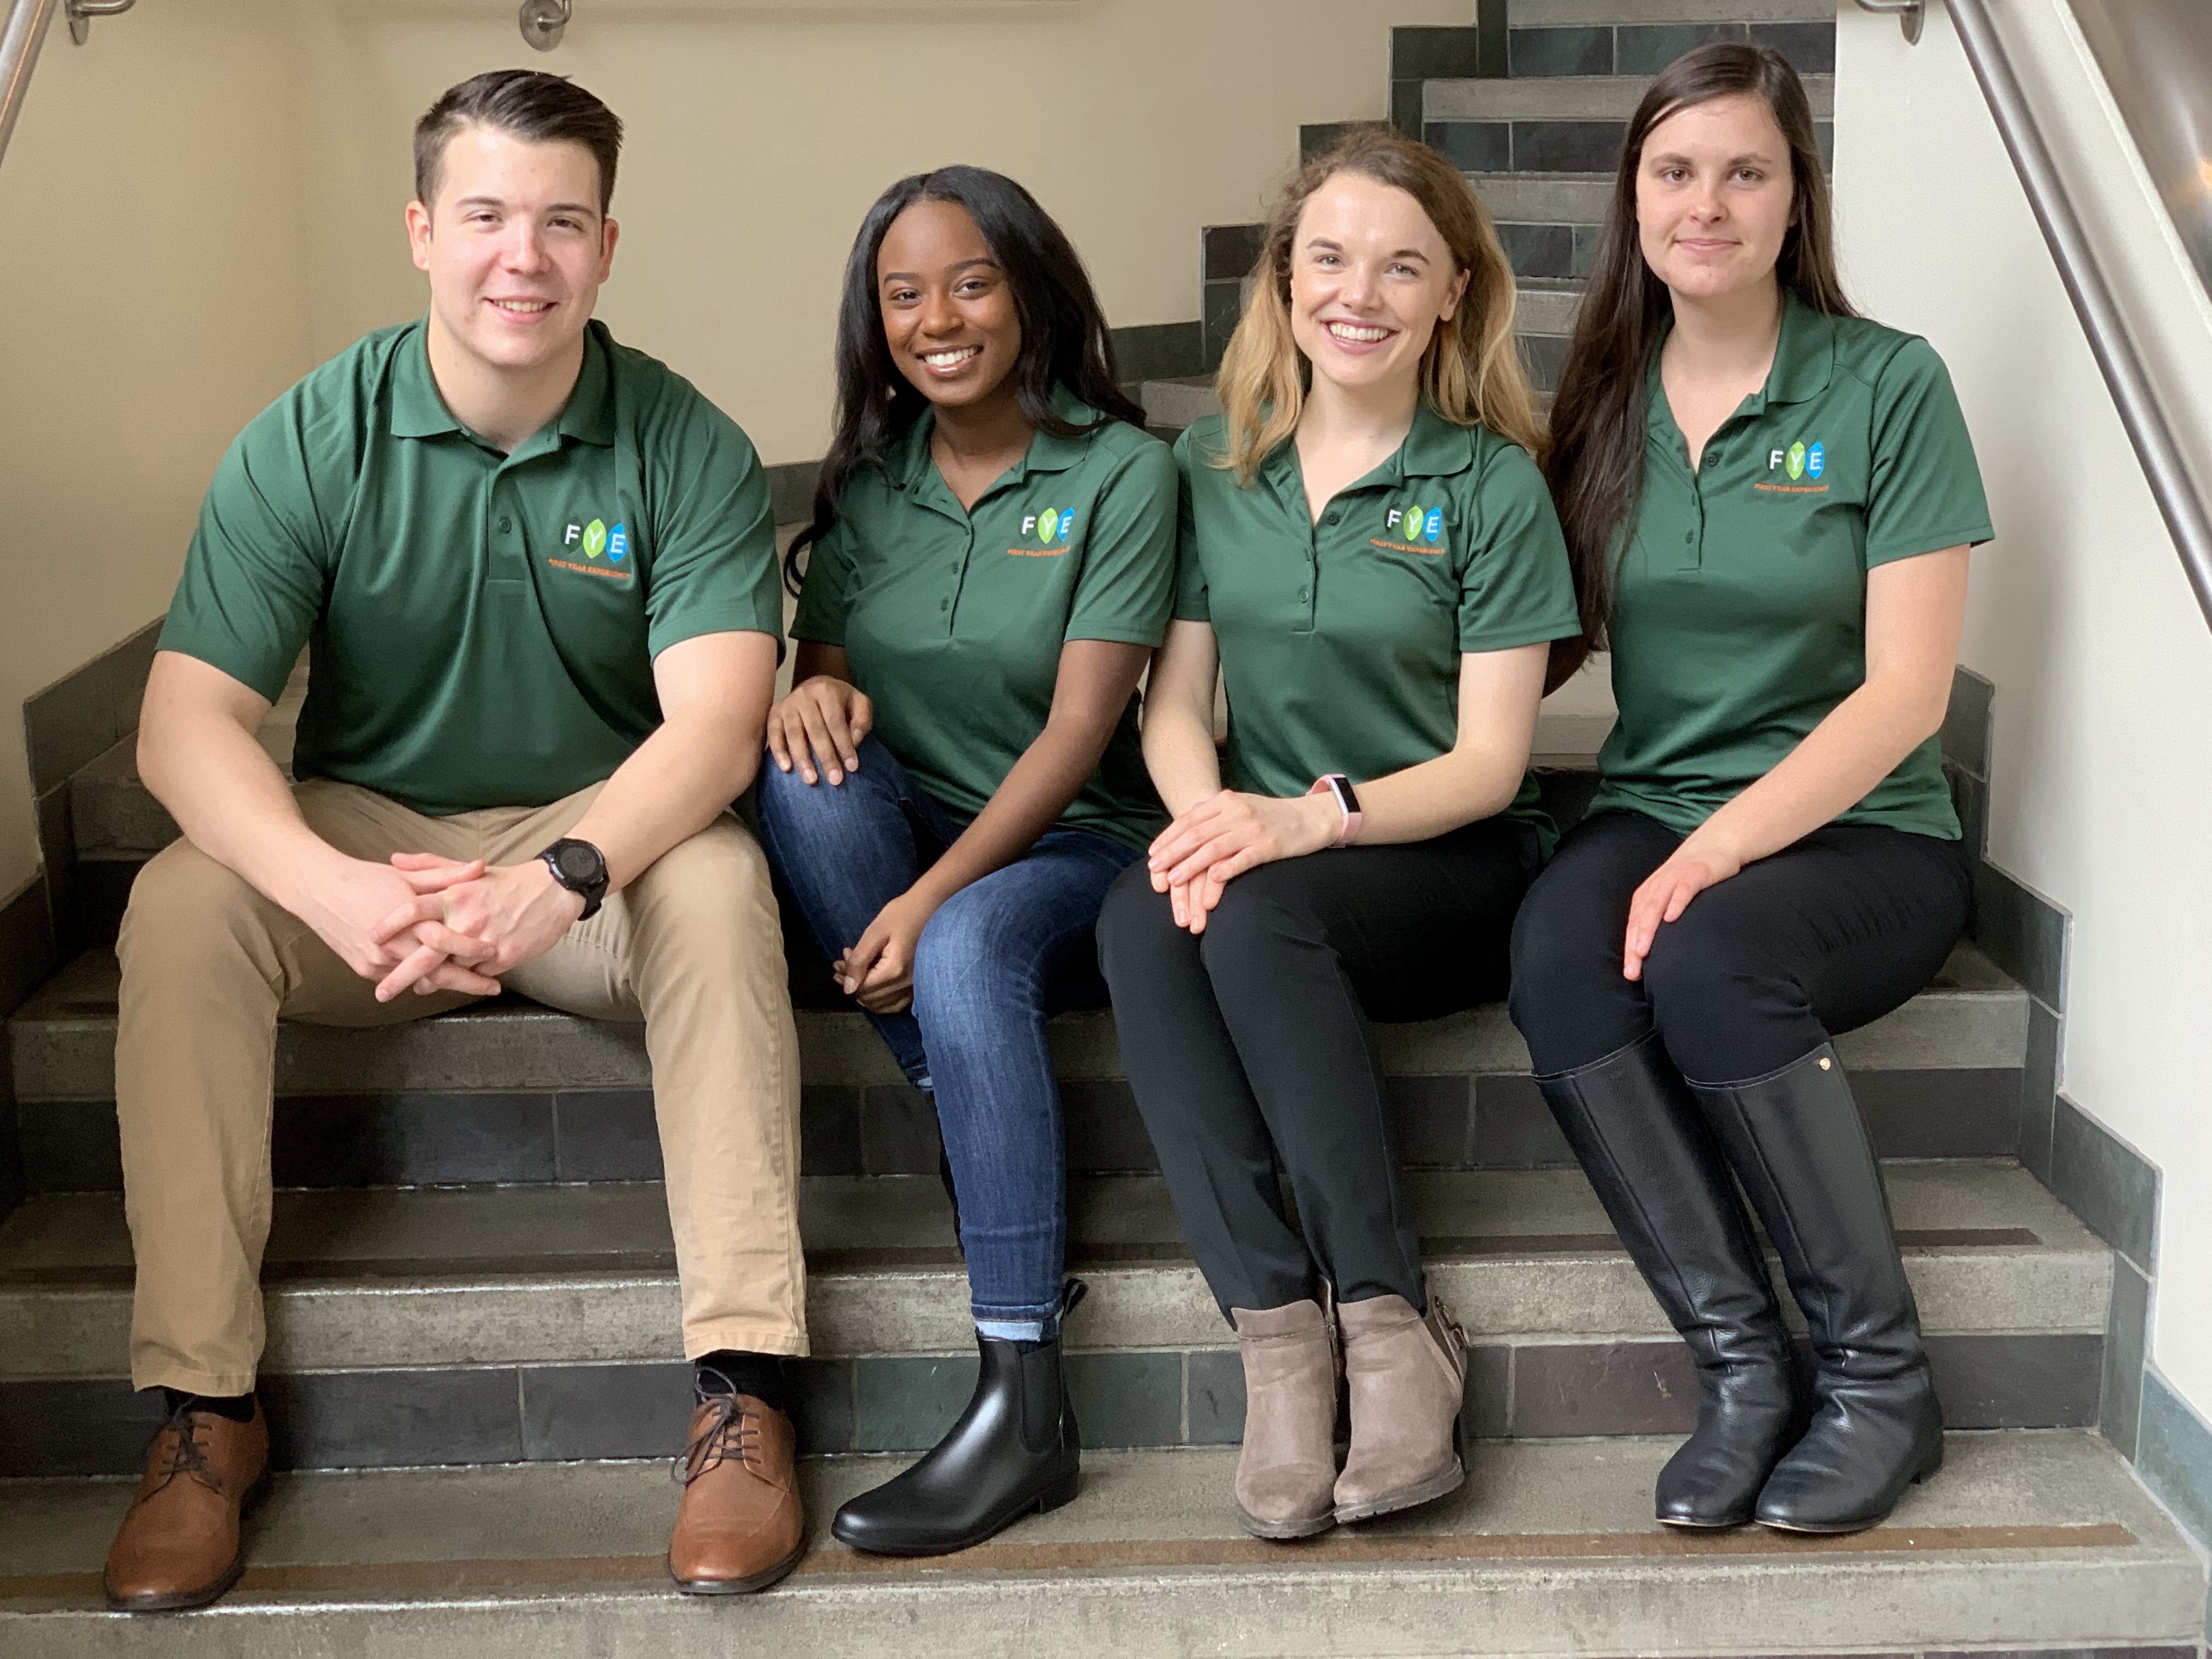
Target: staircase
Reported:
[(474, 1371)]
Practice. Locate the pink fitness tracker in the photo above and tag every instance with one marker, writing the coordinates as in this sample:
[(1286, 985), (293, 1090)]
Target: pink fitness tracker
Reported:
[(1336, 784)]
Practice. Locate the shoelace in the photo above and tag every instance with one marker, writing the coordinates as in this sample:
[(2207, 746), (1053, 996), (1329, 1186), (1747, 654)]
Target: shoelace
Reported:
[(188, 1457), (733, 1432)]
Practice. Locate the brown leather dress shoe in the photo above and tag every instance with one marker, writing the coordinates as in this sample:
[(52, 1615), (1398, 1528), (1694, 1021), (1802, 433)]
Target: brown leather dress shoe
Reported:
[(178, 1547), (740, 1527)]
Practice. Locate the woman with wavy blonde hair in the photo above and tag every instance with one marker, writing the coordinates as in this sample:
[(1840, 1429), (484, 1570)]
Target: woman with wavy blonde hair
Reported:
[(1370, 563)]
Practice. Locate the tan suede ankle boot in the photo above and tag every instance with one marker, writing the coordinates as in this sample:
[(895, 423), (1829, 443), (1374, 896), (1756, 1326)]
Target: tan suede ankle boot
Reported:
[(1286, 1473), (1409, 1376)]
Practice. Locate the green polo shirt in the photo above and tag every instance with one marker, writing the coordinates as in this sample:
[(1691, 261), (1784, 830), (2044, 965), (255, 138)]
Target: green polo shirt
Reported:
[(1741, 615), (1341, 640), (951, 619), (482, 626)]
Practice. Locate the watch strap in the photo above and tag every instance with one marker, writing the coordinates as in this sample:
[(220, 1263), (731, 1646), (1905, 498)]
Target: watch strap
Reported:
[(1335, 784)]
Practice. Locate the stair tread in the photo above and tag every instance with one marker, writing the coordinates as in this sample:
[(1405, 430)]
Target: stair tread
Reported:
[(1558, 14), (384, 1277), (2028, 1539), (62, 1041), (1566, 98)]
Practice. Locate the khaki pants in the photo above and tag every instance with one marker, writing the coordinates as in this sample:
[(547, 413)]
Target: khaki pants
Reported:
[(692, 947)]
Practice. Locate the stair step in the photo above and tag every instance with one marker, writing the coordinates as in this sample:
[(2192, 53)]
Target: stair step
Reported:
[(510, 1092), (1547, 199), (1565, 98), (1557, 14), (401, 1320), (2024, 1541), (1970, 1017)]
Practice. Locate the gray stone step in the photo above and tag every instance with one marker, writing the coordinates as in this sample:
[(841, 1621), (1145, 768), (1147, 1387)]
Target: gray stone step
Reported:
[(510, 1092), (453, 1326), (1565, 98), (1545, 199), (2025, 1541), (1554, 14)]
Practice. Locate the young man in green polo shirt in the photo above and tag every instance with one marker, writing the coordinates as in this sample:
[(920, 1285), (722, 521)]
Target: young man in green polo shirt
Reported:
[(537, 573)]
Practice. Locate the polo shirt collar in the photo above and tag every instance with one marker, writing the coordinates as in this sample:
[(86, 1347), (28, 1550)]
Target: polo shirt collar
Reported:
[(419, 411), (1434, 448), (909, 464), (1804, 362)]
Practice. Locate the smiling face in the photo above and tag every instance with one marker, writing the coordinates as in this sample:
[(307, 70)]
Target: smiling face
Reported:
[(515, 246), (1370, 278), (1714, 197), (948, 311)]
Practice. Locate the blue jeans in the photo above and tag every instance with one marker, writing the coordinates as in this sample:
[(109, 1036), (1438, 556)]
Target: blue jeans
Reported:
[(998, 958)]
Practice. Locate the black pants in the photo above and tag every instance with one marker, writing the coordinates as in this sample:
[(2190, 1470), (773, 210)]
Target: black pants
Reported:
[(1247, 1044), (1823, 937)]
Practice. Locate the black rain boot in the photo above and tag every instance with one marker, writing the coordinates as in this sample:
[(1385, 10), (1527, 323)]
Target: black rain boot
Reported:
[(1013, 1452), (1797, 1143), (1647, 1151)]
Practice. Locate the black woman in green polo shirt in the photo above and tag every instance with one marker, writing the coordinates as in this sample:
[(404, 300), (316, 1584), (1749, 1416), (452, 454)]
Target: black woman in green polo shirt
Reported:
[(1769, 501), (1372, 566), (956, 778)]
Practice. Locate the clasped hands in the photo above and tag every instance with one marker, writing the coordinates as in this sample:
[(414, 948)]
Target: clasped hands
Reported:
[(437, 924), (1219, 838)]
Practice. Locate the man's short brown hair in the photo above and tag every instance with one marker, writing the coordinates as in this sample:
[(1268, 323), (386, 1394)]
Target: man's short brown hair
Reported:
[(525, 103)]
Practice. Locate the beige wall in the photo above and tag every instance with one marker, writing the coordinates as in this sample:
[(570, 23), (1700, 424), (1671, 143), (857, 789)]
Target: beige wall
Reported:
[(2080, 612), (759, 134), (151, 299), (213, 190)]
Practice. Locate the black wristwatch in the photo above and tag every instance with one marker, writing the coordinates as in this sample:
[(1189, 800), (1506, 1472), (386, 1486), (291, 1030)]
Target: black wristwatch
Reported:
[(579, 867)]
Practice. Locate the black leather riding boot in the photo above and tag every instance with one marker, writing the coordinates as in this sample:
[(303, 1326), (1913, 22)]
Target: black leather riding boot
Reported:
[(1647, 1151), (1013, 1452), (1797, 1143)]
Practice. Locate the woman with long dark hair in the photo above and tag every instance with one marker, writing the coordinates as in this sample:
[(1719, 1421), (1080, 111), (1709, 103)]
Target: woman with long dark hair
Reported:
[(1371, 566), (957, 777), (1769, 500)]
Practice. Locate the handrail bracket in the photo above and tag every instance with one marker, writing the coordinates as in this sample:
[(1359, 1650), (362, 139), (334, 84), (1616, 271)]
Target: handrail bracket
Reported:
[(1910, 15)]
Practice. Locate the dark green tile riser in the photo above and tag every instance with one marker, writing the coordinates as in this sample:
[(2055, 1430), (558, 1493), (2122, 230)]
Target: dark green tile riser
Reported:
[(1155, 1398), (1810, 47), (1647, 48), (889, 1129), (1538, 249), (1421, 51), (1557, 52)]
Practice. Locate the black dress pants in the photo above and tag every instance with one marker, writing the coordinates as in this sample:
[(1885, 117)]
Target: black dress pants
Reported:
[(1247, 1045), (1826, 935)]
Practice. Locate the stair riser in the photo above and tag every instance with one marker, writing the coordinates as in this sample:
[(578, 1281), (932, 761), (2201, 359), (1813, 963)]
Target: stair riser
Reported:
[(1143, 1399), (420, 1138), (385, 1314), (1647, 48), (1546, 146)]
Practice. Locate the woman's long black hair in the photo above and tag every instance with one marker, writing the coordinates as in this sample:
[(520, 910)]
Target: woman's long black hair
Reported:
[(1063, 335), (1595, 464)]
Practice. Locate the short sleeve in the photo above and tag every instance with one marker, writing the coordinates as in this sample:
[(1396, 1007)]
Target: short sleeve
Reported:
[(1191, 601), (1924, 493), (1127, 586), (825, 591), (257, 572), (1518, 588), (714, 568)]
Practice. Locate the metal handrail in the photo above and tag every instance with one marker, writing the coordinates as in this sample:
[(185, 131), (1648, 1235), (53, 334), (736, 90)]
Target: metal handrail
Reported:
[(2173, 486), (21, 35)]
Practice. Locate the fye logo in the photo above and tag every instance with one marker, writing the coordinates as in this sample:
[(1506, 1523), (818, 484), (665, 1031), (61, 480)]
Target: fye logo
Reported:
[(1414, 525), (1052, 526), (1799, 460), (596, 540)]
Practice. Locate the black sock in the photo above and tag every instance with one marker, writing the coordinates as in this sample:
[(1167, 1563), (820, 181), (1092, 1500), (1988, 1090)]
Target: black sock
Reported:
[(237, 1407), (760, 1375)]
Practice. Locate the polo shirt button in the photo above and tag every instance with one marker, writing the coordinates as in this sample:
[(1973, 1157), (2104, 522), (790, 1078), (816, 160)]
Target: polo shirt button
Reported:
[(1689, 536), (505, 525), (944, 604), (1334, 515), (1303, 594)]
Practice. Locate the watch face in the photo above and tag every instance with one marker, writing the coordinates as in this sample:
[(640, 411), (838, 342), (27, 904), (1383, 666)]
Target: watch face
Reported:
[(578, 862)]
